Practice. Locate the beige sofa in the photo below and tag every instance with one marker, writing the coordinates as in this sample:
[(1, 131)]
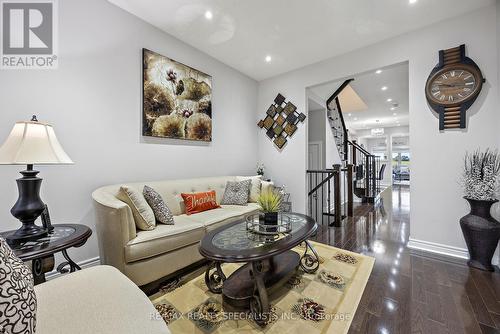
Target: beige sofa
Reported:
[(97, 300), (145, 256)]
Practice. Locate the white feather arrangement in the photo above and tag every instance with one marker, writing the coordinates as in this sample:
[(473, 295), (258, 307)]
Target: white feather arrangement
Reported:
[(480, 176)]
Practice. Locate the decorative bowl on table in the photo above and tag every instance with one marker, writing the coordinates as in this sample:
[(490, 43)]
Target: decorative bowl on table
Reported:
[(256, 223)]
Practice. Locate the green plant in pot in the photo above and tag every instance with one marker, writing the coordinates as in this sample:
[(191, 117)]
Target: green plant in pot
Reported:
[(480, 181), (270, 203)]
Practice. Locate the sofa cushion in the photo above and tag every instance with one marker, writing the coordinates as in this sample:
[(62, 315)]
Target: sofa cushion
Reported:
[(224, 215), (251, 207), (143, 214), (164, 238), (171, 190), (97, 300), (18, 303)]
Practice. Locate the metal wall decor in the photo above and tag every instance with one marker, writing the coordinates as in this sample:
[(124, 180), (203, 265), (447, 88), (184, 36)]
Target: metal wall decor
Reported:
[(281, 121)]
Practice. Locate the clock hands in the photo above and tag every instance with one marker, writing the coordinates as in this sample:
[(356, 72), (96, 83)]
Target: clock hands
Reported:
[(451, 86)]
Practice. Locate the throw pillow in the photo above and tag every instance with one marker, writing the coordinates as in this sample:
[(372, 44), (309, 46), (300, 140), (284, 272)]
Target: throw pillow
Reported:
[(143, 214), (160, 209), (236, 193), (266, 186), (254, 187), (17, 294), (199, 202)]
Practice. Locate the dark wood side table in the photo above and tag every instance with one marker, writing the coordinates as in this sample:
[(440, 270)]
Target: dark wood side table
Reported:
[(41, 252)]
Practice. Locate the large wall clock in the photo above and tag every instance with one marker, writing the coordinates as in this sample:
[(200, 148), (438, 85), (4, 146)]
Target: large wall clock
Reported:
[(453, 86)]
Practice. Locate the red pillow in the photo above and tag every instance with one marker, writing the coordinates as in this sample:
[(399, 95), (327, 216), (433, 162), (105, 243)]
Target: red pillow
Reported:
[(199, 202)]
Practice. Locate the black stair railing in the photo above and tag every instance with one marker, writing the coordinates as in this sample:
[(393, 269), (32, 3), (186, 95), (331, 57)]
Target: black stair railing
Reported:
[(324, 195), (336, 121), (366, 166)]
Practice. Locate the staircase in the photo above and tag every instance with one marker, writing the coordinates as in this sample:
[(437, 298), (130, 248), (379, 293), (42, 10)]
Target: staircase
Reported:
[(336, 120), (331, 191), (366, 184)]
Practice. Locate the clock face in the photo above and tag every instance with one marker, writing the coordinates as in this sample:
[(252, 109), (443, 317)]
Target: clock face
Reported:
[(453, 86)]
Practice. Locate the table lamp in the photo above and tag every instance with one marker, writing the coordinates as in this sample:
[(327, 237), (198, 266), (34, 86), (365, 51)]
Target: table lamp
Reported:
[(30, 143)]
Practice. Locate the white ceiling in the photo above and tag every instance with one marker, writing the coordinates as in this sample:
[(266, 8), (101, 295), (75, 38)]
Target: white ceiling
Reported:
[(368, 87), (294, 33)]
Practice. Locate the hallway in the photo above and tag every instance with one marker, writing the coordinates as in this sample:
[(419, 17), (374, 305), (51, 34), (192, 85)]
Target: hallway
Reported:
[(410, 291)]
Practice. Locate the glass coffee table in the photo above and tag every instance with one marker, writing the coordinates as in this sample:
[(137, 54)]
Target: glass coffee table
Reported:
[(270, 262)]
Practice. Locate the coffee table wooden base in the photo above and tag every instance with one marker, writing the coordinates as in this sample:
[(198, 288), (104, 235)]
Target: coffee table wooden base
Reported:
[(268, 265), (257, 279)]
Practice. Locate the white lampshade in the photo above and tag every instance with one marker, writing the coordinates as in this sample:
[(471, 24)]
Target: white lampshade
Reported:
[(31, 143)]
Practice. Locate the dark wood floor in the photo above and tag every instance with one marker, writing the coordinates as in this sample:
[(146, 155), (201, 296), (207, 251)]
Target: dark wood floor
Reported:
[(408, 291)]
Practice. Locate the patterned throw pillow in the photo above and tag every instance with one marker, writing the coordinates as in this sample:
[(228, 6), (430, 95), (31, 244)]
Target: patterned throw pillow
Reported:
[(199, 202), (237, 193), (160, 209), (17, 294), (254, 186)]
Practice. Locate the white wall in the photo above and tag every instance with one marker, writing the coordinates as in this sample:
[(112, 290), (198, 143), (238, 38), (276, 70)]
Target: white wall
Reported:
[(436, 202), (94, 102), (317, 130), (317, 120)]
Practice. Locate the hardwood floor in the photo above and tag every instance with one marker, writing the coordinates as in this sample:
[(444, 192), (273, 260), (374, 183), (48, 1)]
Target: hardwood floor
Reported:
[(409, 291)]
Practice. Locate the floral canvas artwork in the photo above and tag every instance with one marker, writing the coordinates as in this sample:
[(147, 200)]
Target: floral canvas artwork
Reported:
[(177, 99)]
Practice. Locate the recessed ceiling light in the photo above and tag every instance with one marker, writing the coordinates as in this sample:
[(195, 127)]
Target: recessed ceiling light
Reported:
[(378, 71), (355, 118), (389, 100), (209, 15), (349, 114), (393, 108), (268, 59), (412, 2), (399, 124), (394, 114), (384, 88)]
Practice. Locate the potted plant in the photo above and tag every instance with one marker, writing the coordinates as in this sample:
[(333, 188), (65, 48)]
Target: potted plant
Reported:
[(260, 169), (270, 203), (480, 181)]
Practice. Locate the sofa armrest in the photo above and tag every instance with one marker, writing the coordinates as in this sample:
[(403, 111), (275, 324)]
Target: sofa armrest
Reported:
[(115, 227), (97, 300)]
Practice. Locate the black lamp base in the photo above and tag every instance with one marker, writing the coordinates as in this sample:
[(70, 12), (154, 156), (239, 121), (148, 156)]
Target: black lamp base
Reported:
[(26, 233), (28, 208)]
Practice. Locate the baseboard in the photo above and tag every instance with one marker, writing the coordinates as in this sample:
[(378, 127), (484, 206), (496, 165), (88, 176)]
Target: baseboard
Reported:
[(441, 249), (433, 247), (83, 264)]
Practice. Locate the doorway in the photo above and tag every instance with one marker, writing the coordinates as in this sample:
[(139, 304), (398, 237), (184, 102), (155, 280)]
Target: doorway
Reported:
[(315, 155)]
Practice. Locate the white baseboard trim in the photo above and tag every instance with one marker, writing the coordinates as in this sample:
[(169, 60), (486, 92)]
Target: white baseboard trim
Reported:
[(441, 249), (83, 264)]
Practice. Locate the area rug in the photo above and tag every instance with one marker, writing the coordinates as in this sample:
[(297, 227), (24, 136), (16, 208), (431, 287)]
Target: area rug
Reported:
[(323, 302)]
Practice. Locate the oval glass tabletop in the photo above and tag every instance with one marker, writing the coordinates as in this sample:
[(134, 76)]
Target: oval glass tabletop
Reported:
[(63, 236), (235, 243)]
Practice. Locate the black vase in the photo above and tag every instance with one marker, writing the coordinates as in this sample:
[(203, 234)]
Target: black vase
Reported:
[(481, 232), (271, 218)]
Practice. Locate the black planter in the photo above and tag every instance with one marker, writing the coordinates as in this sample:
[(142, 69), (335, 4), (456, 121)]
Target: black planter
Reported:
[(271, 218), (481, 232)]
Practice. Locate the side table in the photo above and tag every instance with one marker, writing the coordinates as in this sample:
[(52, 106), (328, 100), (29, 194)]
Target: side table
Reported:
[(41, 252)]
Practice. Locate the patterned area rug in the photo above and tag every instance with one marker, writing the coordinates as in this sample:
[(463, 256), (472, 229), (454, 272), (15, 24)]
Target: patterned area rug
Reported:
[(324, 302)]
